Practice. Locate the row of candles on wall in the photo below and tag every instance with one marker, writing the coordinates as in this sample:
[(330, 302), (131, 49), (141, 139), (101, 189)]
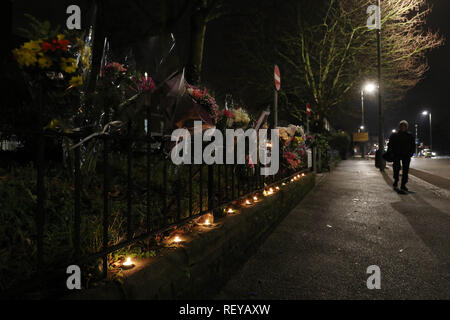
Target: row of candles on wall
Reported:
[(208, 219)]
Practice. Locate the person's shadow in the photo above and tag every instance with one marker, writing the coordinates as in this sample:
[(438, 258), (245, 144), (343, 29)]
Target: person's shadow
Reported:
[(429, 223)]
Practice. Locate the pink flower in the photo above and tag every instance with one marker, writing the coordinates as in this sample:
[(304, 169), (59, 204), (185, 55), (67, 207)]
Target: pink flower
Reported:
[(146, 84)]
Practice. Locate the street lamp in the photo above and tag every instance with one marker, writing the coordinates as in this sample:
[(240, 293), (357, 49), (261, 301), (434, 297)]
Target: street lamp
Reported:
[(426, 113), (369, 88)]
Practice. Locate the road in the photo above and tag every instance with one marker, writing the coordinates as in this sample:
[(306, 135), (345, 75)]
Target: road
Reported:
[(436, 166), (350, 221)]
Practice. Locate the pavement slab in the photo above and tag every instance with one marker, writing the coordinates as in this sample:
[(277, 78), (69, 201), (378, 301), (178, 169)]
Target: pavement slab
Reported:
[(351, 220)]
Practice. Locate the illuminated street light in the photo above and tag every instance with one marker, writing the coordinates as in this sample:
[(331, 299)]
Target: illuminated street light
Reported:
[(370, 87), (427, 113)]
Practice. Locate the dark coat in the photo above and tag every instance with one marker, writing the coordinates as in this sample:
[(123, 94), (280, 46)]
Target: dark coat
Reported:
[(402, 144)]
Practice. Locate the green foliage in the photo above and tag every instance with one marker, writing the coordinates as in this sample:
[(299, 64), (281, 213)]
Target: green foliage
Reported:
[(340, 141), (38, 30), (321, 143)]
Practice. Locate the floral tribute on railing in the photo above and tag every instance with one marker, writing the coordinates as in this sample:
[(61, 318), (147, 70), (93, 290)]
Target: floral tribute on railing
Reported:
[(293, 144), (61, 61), (205, 104)]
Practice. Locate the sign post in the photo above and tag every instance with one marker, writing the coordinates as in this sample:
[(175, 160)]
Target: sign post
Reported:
[(277, 79)]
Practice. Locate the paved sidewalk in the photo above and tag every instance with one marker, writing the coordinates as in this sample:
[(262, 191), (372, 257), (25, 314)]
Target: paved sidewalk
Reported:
[(351, 220)]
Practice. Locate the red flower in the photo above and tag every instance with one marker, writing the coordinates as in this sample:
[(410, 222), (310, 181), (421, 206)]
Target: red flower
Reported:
[(46, 46), (228, 114), (63, 43), (146, 84), (289, 156)]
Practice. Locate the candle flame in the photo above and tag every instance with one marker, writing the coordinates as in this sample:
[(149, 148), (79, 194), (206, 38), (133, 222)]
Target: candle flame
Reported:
[(177, 239), (255, 198), (230, 210), (128, 262), (207, 223)]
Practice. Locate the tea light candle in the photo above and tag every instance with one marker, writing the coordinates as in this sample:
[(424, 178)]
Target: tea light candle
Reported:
[(128, 264)]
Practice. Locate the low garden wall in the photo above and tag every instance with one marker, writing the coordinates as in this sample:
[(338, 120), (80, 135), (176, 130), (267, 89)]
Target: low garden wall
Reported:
[(207, 259)]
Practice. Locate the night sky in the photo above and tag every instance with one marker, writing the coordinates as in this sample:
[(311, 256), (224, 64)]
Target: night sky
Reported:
[(430, 94)]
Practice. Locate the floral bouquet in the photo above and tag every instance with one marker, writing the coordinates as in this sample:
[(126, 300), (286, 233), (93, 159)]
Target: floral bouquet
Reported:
[(293, 142), (234, 118), (290, 134), (52, 57), (205, 105), (292, 160), (241, 118)]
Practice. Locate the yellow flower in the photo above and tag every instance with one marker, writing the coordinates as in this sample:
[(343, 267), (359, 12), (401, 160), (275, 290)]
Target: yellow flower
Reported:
[(44, 62), (25, 57), (76, 81), (60, 36), (299, 140), (33, 45), (69, 65)]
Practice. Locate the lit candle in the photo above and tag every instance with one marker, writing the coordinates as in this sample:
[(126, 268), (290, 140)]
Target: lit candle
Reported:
[(207, 223), (255, 198), (303, 174), (146, 76), (247, 202), (128, 264), (230, 210), (278, 188), (283, 184), (177, 239)]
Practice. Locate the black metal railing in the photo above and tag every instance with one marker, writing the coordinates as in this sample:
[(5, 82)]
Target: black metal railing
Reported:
[(183, 192)]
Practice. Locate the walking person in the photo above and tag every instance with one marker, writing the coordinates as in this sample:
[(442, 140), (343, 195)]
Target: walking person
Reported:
[(402, 147)]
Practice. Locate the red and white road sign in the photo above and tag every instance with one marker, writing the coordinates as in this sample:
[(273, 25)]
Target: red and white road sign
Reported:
[(277, 78), (308, 110)]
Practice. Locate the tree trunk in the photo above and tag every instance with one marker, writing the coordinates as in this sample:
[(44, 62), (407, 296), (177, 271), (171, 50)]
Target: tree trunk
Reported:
[(198, 31), (97, 50)]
